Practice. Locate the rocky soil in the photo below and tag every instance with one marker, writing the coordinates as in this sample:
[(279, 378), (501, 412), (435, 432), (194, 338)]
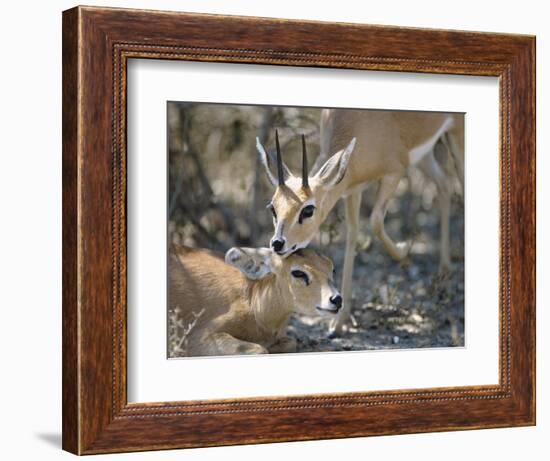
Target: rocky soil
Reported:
[(407, 304)]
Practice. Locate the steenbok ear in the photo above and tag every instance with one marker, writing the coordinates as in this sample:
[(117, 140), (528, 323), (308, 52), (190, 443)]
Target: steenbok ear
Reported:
[(334, 169), (255, 263), (271, 167)]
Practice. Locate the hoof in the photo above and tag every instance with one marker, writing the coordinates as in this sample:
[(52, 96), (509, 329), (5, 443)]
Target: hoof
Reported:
[(336, 330), (402, 250), (332, 334)]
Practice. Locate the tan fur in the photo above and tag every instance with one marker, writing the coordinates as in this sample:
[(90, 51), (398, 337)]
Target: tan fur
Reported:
[(388, 142), (236, 315)]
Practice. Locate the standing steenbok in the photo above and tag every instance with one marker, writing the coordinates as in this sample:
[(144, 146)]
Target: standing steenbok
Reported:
[(242, 305), (384, 145)]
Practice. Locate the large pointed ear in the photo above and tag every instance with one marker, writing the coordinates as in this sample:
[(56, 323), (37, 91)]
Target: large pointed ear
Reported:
[(255, 263), (334, 169), (270, 164)]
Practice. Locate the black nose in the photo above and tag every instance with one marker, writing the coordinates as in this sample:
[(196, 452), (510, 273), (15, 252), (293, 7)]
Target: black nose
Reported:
[(337, 301), (277, 244)]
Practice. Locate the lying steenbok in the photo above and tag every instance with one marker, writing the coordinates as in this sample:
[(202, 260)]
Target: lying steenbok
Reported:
[(242, 305), (384, 145)]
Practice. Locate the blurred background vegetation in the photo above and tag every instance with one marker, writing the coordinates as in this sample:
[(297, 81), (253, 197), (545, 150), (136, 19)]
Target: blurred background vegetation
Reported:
[(218, 190), (217, 198)]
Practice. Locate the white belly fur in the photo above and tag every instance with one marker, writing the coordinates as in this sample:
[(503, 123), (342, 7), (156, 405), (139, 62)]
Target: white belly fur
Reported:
[(416, 154)]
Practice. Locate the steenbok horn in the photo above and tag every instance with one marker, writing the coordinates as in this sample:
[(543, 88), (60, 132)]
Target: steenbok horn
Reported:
[(280, 172), (305, 183)]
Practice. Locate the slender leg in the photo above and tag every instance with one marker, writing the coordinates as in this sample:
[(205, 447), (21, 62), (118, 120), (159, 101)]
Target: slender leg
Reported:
[(353, 205), (225, 344), (457, 151), (388, 184), (431, 168)]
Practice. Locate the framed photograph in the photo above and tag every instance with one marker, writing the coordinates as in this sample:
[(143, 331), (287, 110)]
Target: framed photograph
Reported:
[(285, 230)]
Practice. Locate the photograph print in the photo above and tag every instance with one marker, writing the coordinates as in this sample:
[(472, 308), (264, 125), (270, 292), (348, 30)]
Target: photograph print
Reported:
[(307, 229)]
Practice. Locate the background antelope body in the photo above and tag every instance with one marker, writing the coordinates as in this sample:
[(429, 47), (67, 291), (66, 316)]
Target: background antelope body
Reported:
[(389, 142), (396, 237)]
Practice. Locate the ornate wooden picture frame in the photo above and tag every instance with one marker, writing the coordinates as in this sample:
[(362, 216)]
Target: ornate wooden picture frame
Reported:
[(97, 44)]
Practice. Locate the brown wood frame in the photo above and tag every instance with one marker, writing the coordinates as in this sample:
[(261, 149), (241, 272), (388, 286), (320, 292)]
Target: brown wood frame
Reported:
[(97, 43)]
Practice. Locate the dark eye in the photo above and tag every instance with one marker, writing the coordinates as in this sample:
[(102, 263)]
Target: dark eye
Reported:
[(307, 212), (300, 275), (272, 209)]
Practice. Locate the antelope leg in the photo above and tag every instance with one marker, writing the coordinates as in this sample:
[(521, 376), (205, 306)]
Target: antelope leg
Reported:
[(225, 344), (353, 206), (456, 148), (388, 184), (430, 167)]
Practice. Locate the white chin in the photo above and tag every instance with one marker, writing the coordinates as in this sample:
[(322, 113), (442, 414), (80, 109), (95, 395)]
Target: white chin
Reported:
[(326, 310), (301, 246), (293, 248)]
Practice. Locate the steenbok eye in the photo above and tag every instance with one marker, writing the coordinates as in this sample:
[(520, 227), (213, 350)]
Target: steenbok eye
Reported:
[(300, 275), (307, 212)]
